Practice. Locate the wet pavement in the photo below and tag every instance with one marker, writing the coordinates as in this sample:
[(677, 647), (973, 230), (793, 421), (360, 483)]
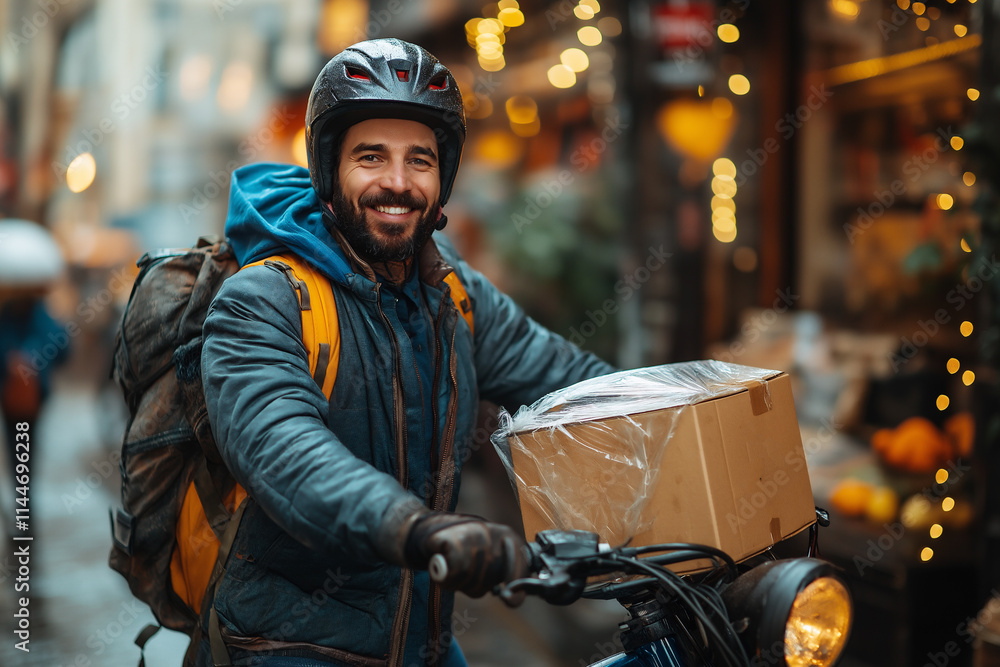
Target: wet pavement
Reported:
[(82, 614)]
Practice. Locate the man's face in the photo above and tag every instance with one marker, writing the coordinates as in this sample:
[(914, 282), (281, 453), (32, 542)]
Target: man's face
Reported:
[(387, 188)]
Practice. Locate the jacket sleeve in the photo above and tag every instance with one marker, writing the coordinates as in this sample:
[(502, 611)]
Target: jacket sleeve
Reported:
[(518, 360), (267, 416)]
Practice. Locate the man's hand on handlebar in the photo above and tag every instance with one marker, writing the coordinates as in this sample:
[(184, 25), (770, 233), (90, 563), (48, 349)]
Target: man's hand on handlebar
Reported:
[(478, 555)]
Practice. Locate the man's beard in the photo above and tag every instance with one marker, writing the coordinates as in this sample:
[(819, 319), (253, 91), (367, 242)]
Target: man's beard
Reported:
[(352, 223)]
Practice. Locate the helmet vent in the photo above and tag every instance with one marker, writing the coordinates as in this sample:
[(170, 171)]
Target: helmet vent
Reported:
[(403, 75), (440, 82), (356, 73)]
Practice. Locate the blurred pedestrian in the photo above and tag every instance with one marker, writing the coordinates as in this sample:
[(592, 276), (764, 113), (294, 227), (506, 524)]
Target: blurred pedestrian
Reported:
[(32, 343)]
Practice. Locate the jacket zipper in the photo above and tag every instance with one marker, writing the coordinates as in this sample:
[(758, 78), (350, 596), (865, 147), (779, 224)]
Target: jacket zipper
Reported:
[(440, 500), (402, 620)]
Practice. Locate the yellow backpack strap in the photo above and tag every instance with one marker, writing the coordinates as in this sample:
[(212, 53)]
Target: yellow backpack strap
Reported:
[(461, 298), (320, 330)]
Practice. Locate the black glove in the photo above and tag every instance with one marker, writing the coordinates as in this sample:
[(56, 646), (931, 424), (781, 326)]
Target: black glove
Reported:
[(479, 554)]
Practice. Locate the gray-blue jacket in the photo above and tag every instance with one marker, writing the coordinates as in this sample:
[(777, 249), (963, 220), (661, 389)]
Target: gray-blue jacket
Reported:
[(304, 574)]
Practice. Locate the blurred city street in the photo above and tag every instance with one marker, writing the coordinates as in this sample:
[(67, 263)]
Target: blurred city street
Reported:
[(82, 612)]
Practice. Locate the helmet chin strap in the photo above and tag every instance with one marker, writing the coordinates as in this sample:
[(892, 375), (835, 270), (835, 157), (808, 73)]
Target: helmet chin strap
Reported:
[(442, 219)]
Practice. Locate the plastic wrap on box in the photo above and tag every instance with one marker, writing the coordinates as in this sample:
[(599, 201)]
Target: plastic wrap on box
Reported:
[(604, 484)]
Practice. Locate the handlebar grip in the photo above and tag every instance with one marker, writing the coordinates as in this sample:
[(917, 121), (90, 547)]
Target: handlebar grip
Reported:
[(438, 568)]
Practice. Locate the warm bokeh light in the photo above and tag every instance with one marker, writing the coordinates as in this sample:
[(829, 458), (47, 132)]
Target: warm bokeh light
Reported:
[(724, 186), (561, 76), (724, 237), (610, 26), (81, 172), (488, 38), (724, 167), (941, 476), (508, 4), (594, 5), (477, 106), (964, 245), (511, 17), (575, 59), (235, 86), (492, 64), (739, 84), (526, 129), (724, 219), (849, 9), (968, 377), (745, 259), (489, 25), (919, 8), (966, 328), (722, 107), (926, 554), (903, 4), (957, 143), (583, 12), (923, 23), (521, 109), (723, 203), (194, 77), (948, 504), (589, 36), (953, 365), (969, 178), (299, 148), (936, 531), (944, 201), (500, 149), (961, 30), (943, 402), (728, 33)]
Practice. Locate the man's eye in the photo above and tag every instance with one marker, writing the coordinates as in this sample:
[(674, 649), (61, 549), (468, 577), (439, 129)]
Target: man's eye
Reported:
[(368, 158)]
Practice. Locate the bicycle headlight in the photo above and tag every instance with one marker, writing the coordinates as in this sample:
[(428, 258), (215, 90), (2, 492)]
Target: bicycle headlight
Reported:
[(791, 613)]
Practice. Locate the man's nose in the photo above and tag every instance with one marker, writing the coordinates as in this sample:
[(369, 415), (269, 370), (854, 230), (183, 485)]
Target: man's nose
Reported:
[(395, 178)]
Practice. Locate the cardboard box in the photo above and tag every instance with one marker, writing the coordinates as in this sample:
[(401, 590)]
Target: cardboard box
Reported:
[(732, 473)]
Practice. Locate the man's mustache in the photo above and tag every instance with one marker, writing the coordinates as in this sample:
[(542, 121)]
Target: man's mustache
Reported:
[(405, 200)]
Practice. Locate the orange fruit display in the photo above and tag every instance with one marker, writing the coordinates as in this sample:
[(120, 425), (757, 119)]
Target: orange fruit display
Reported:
[(916, 445), (850, 497), (961, 428)]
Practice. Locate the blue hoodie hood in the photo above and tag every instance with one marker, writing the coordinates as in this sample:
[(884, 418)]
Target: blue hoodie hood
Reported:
[(272, 209)]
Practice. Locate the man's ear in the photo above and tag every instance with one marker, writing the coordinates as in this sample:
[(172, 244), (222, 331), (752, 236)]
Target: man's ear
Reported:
[(442, 219)]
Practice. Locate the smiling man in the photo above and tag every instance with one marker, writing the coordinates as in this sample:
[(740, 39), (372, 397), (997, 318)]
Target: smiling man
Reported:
[(350, 496)]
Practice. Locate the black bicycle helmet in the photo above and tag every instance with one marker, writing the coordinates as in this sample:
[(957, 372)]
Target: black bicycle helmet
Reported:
[(382, 78)]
